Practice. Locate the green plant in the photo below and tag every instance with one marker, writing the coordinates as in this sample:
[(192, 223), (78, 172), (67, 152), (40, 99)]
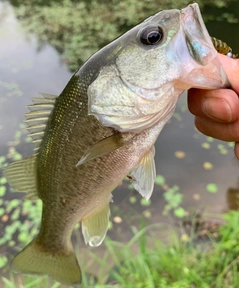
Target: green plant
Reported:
[(79, 28), (146, 262), (182, 265), (174, 198)]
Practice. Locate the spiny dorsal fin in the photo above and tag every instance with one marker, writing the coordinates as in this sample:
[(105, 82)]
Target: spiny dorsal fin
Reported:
[(21, 175), (38, 116)]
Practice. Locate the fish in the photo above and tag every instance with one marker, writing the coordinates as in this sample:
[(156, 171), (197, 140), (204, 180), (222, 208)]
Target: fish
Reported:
[(102, 128)]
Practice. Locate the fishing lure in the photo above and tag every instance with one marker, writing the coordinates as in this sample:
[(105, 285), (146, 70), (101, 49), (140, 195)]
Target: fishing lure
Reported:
[(223, 48)]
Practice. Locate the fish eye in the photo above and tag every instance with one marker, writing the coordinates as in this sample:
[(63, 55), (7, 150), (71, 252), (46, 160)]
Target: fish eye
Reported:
[(151, 35)]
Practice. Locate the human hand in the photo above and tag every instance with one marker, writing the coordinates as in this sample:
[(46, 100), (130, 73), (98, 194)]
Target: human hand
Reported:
[(217, 111)]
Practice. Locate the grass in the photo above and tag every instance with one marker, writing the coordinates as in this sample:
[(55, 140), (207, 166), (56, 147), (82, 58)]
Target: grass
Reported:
[(146, 262), (182, 264)]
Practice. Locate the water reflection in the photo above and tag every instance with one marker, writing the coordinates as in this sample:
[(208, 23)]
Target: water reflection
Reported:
[(65, 26), (24, 72)]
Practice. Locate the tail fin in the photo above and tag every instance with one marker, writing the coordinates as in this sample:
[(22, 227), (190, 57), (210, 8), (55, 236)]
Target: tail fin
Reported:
[(33, 259)]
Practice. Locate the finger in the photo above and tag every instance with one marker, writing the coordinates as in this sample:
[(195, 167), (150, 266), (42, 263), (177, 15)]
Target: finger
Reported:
[(236, 150), (220, 105), (231, 67), (222, 131)]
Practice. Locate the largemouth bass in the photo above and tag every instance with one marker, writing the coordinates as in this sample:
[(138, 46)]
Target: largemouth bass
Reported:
[(102, 128)]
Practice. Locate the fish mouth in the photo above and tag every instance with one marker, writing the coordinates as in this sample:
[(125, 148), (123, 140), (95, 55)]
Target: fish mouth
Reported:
[(197, 38), (201, 49)]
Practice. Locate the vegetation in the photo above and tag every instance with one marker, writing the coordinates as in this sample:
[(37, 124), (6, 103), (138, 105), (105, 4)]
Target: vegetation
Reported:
[(178, 265), (181, 265), (77, 29)]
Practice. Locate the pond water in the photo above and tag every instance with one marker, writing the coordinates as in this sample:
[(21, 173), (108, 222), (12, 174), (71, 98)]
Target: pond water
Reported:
[(184, 157)]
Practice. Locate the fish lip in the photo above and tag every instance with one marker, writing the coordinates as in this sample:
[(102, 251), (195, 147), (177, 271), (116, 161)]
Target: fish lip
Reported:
[(197, 37), (200, 46), (193, 10)]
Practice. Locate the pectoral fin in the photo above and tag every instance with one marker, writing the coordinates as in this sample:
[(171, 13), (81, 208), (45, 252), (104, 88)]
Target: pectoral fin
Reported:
[(143, 176), (95, 226), (102, 148)]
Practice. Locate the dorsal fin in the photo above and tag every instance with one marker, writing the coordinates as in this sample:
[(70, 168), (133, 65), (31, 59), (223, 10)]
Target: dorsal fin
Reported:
[(38, 116)]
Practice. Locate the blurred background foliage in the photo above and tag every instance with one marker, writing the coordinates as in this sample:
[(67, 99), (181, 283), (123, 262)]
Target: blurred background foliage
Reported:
[(77, 29)]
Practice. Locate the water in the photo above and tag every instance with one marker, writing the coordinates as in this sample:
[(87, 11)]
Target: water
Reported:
[(25, 71)]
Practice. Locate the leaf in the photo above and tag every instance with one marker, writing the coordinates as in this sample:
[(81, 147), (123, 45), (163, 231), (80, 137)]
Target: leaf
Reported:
[(2, 191), (10, 230), (206, 145), (3, 240), (8, 283), (132, 199), (145, 202), (210, 139), (3, 180), (131, 186), (160, 180), (2, 211), (15, 215), (12, 243), (13, 204), (147, 214), (32, 283), (212, 188), (23, 237), (3, 261), (174, 199), (220, 146), (207, 165), (16, 156), (2, 159), (56, 285), (179, 154), (179, 212)]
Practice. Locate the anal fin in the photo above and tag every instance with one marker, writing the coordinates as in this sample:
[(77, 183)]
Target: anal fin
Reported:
[(144, 174), (95, 225)]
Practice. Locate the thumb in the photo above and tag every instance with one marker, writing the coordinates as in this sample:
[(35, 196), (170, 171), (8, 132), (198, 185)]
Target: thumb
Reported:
[(231, 67)]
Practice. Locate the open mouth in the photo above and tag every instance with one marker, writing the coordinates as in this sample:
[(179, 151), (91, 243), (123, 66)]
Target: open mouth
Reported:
[(206, 72), (192, 12), (197, 38)]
